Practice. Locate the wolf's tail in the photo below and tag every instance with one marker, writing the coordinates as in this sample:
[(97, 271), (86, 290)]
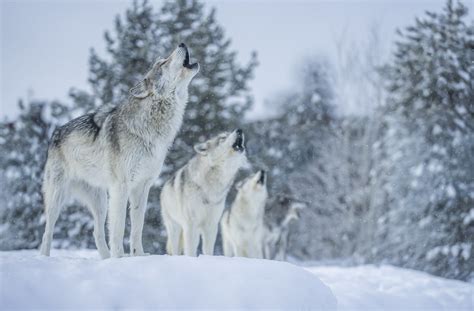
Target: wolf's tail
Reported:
[(54, 189)]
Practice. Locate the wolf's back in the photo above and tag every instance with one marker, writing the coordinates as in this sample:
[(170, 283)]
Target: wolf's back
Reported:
[(83, 125)]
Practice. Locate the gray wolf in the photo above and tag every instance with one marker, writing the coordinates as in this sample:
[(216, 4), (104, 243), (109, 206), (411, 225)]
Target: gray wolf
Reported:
[(284, 211), (119, 151), (242, 227), (193, 200)]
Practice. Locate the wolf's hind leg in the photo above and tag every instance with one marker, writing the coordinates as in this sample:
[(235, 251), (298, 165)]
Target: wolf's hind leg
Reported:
[(54, 197), (138, 201), (96, 201)]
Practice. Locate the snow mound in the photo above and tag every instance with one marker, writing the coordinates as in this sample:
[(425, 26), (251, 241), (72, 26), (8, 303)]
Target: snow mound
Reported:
[(78, 279), (390, 288)]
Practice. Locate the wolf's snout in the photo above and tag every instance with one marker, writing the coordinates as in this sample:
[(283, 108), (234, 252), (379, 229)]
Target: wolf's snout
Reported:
[(186, 60), (239, 141), (261, 180)]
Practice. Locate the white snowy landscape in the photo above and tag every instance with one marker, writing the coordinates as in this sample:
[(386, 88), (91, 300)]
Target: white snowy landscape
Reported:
[(334, 139), (80, 280)]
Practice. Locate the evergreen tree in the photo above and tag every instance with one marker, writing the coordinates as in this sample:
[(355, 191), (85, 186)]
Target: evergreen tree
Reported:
[(431, 85)]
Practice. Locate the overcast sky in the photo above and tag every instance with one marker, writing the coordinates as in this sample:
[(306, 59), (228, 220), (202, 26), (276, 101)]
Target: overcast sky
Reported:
[(45, 44)]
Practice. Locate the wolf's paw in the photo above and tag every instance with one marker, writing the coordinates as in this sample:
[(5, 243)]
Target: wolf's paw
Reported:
[(140, 254), (104, 254), (118, 254)]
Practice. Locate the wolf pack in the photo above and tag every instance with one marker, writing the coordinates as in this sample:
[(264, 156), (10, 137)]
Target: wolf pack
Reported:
[(109, 159)]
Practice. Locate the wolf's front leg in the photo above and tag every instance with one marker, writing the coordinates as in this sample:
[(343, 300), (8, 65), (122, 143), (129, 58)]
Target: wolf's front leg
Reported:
[(117, 214), (191, 240), (255, 250), (266, 250), (138, 201), (227, 247), (209, 239)]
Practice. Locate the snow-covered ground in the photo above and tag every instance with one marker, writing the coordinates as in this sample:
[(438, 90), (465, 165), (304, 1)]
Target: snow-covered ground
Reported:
[(390, 288), (78, 279)]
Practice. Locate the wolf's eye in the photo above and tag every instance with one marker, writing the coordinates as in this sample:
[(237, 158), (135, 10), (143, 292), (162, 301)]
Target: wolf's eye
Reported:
[(222, 138)]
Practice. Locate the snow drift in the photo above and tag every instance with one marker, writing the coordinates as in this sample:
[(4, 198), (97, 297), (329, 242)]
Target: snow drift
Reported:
[(371, 287), (80, 280)]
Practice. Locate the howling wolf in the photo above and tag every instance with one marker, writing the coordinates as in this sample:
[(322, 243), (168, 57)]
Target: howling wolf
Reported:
[(242, 227), (119, 151), (193, 200)]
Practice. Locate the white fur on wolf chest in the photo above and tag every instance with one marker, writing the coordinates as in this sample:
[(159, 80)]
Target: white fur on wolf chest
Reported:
[(158, 118), (147, 167), (157, 126)]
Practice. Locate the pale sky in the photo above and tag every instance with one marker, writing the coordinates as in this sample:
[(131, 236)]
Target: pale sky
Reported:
[(45, 44)]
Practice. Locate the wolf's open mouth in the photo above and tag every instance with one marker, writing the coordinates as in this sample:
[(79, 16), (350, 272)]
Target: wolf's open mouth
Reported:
[(261, 180), (239, 141), (186, 63)]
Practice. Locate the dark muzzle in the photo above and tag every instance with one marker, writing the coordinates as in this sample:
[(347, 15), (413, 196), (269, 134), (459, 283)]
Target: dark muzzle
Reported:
[(239, 141), (186, 63), (261, 180)]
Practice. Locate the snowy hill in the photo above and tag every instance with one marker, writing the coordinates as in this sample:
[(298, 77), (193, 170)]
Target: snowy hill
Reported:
[(82, 281), (78, 279)]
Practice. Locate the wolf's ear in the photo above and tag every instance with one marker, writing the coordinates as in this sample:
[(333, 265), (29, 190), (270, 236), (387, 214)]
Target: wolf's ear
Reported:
[(145, 87), (201, 148), (142, 89)]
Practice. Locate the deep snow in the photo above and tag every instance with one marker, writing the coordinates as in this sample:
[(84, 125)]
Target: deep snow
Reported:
[(390, 288), (78, 279)]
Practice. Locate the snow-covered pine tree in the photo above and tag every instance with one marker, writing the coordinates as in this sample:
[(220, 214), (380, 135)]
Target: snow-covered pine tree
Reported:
[(432, 185), (219, 94)]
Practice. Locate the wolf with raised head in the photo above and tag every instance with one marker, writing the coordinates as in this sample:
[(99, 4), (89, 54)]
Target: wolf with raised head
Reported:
[(119, 151), (242, 227), (192, 201)]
